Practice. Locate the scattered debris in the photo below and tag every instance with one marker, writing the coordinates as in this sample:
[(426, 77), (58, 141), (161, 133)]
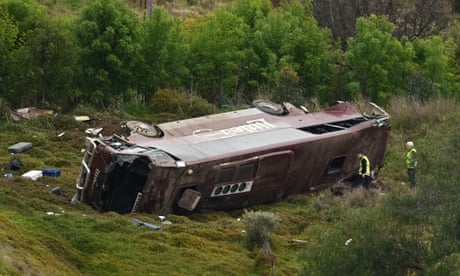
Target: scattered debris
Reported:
[(93, 131), (14, 164), (53, 213), (33, 174), (141, 223), (21, 147), (51, 172), (164, 220), (81, 118), (298, 241), (347, 242), (56, 191), (28, 113), (61, 134), (8, 175)]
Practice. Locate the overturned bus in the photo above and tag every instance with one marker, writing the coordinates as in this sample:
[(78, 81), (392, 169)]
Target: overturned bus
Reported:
[(230, 160)]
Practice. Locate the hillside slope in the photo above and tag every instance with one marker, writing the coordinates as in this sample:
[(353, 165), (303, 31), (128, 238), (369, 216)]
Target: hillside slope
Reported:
[(42, 234)]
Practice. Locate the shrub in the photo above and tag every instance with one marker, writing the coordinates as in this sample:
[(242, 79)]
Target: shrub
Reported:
[(199, 107), (174, 102), (259, 226), (135, 109), (358, 198), (4, 110), (168, 101)]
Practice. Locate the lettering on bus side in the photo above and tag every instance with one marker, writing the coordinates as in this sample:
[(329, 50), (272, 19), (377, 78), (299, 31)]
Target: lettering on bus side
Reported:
[(249, 127)]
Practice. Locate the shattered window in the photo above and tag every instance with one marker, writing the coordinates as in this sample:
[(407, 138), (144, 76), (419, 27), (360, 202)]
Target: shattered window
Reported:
[(160, 156)]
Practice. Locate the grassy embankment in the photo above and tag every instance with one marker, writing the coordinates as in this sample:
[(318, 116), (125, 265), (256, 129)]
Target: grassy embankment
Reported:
[(41, 233)]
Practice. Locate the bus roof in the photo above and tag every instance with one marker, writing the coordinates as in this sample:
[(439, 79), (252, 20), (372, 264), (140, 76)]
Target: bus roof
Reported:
[(239, 131)]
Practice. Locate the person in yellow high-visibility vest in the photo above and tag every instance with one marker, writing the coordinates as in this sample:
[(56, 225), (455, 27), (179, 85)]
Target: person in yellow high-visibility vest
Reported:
[(411, 162), (364, 171)]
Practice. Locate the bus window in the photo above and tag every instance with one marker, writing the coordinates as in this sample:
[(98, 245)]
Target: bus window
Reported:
[(226, 174), (336, 165), (246, 171)]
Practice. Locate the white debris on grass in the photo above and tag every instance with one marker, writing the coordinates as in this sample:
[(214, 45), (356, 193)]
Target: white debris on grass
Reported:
[(347, 242)]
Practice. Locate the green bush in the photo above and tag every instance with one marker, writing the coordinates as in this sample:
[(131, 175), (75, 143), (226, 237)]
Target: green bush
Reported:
[(168, 101), (199, 107), (259, 226), (5, 110), (174, 102), (135, 109)]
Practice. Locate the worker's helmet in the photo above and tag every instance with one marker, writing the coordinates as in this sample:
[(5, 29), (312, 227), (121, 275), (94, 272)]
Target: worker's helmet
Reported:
[(410, 144)]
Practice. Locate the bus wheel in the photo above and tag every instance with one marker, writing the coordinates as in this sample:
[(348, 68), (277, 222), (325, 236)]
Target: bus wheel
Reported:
[(269, 107)]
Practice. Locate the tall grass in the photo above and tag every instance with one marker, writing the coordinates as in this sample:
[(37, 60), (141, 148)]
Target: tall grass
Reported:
[(409, 232)]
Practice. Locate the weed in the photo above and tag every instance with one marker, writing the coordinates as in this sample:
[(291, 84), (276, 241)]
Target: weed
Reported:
[(259, 226)]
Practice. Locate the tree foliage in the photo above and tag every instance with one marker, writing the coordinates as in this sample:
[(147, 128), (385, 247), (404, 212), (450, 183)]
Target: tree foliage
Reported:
[(164, 53), (419, 18), (9, 41), (435, 68), (232, 55), (217, 53), (27, 13), (379, 63), (108, 35), (47, 63)]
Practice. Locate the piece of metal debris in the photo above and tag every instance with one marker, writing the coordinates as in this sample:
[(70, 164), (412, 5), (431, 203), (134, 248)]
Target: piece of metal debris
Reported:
[(347, 242), (56, 191), (93, 131), (81, 118), (298, 241), (29, 113), (142, 223)]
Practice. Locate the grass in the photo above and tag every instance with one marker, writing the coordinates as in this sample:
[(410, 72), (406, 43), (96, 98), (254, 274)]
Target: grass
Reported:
[(42, 234)]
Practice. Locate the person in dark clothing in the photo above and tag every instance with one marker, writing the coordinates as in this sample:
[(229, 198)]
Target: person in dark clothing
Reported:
[(364, 172)]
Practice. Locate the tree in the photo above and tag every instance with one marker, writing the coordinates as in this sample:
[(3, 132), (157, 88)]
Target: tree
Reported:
[(108, 35), (217, 47), (435, 59), (288, 88), (272, 44), (25, 12), (423, 18), (419, 18), (379, 63), (46, 64), (312, 52), (289, 38), (164, 53), (252, 78), (25, 15), (8, 35), (9, 42)]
